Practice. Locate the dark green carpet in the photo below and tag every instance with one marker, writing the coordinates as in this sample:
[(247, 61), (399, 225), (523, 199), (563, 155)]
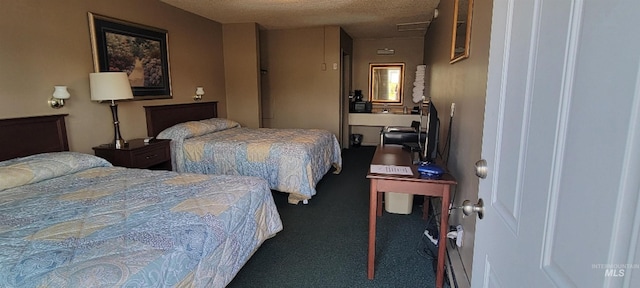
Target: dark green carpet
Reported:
[(324, 243)]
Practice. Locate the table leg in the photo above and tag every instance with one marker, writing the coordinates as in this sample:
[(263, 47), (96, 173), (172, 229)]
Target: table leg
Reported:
[(426, 205), (379, 204), (373, 195), (442, 239)]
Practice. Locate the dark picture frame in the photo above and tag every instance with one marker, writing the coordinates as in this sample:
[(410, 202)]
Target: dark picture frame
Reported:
[(141, 51)]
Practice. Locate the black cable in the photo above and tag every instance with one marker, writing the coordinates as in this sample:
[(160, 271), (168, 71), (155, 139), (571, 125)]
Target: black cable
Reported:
[(453, 198), (448, 143), (431, 220)]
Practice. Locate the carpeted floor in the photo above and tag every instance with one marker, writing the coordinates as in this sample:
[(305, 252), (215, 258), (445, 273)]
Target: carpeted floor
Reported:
[(324, 243)]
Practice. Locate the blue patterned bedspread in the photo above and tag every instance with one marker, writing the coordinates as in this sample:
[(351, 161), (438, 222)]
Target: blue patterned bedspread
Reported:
[(291, 160), (72, 220)]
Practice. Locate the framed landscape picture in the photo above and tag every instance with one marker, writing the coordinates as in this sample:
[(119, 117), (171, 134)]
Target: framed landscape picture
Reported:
[(141, 51)]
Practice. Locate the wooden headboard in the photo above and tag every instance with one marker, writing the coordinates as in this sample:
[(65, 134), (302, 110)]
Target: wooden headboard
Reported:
[(25, 136), (164, 116)]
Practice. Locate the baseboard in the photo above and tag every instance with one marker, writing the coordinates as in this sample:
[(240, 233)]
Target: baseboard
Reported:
[(458, 276)]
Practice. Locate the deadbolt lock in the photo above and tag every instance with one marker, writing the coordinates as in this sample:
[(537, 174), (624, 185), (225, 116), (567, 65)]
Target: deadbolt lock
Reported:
[(481, 168)]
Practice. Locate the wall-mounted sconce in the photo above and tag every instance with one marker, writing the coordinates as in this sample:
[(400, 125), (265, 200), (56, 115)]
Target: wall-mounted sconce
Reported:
[(60, 93), (199, 94)]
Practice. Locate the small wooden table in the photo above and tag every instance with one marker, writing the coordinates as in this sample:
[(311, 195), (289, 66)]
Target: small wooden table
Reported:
[(395, 155)]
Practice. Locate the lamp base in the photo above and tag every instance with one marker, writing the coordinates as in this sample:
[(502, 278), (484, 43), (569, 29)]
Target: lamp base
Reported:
[(119, 143)]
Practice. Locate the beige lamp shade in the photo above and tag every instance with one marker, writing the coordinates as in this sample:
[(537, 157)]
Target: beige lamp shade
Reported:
[(110, 86)]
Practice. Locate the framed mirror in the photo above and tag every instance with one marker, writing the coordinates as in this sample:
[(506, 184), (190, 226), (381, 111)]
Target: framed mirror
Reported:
[(462, 12), (386, 81)]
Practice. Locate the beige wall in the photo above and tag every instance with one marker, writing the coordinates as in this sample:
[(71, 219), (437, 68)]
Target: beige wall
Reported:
[(45, 43), (464, 83), (301, 94), (242, 73), (407, 50)]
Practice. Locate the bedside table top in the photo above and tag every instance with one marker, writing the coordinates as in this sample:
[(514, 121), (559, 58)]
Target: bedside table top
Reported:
[(135, 144)]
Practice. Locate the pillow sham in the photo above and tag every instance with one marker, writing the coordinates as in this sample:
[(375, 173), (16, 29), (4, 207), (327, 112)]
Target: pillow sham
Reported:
[(39, 167), (196, 128)]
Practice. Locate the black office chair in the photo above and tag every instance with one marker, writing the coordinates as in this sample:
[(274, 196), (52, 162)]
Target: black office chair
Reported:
[(401, 134), (415, 125)]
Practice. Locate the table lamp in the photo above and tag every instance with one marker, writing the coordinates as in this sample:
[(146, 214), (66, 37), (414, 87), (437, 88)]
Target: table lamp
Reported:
[(111, 86)]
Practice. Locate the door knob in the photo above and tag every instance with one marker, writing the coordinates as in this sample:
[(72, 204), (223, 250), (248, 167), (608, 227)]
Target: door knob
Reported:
[(469, 208), (481, 168)]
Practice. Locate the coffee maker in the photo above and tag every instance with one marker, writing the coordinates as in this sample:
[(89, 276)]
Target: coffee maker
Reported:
[(359, 106), (357, 96)]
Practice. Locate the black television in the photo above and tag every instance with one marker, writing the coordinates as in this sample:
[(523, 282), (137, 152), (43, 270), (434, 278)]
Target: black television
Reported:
[(432, 136)]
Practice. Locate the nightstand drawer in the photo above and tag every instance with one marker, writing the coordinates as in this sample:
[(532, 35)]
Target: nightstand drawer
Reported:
[(138, 154), (150, 156)]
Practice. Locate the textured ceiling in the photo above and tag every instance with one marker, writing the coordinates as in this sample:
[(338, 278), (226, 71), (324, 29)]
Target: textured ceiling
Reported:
[(359, 18)]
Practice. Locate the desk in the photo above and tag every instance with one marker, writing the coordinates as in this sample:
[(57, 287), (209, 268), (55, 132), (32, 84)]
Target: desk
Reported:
[(395, 155)]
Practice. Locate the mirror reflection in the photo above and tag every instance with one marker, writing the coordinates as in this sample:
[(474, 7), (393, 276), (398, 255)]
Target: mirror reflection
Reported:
[(461, 36), (385, 83)]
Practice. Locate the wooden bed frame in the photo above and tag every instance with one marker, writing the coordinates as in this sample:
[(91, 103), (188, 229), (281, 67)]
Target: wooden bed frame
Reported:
[(26, 136), (164, 116)]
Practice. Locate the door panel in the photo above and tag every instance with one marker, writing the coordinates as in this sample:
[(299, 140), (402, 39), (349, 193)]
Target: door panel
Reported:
[(561, 142)]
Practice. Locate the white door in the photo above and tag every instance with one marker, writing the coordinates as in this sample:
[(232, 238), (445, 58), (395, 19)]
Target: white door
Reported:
[(562, 143)]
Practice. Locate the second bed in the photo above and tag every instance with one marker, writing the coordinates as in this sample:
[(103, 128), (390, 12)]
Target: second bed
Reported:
[(291, 160)]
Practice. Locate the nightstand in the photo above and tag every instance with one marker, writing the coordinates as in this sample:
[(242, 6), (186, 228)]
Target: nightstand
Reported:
[(154, 155)]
